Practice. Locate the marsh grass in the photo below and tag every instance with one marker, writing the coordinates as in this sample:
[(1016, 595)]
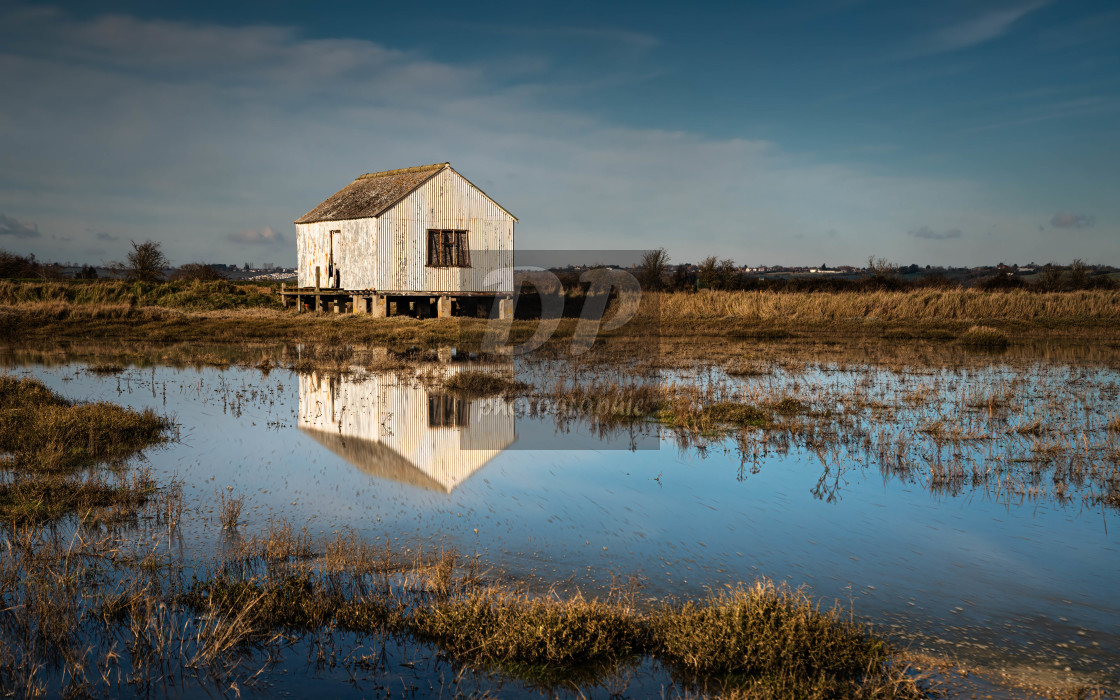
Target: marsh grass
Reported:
[(196, 314), (182, 294), (106, 368), (476, 383), (957, 305), (764, 630), (737, 414), (36, 499), (45, 432), (229, 508), (748, 368), (54, 447), (765, 633), (985, 337)]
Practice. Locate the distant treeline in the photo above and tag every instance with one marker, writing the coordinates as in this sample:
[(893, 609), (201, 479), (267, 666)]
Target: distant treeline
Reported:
[(147, 263), (1051, 279), (14, 266), (880, 275)]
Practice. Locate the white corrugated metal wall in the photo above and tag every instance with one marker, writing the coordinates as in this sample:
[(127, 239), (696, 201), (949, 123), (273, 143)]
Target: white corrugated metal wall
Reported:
[(354, 252), (447, 201)]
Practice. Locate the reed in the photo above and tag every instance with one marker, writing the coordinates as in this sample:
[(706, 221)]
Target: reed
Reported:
[(229, 508)]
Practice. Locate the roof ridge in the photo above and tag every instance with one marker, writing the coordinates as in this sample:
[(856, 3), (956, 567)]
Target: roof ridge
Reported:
[(403, 171)]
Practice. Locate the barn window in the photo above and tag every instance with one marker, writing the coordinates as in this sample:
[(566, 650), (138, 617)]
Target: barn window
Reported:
[(447, 412), (448, 248)]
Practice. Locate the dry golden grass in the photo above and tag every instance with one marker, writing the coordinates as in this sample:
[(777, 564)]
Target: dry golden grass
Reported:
[(46, 432), (53, 446), (922, 305), (985, 337), (760, 636), (769, 316), (193, 294), (229, 508)]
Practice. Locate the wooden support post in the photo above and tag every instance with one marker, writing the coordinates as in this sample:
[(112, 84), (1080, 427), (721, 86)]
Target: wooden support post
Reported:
[(379, 306), (334, 304), (359, 304), (283, 296), (505, 309), (443, 307), (299, 303)]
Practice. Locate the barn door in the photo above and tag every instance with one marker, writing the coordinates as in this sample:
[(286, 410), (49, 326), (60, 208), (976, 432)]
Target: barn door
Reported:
[(335, 256)]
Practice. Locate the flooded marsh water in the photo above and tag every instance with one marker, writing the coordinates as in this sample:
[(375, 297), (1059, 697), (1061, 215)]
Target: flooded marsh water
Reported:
[(964, 510)]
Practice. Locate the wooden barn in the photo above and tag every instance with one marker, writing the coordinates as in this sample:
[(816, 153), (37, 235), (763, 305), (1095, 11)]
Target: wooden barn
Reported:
[(421, 241)]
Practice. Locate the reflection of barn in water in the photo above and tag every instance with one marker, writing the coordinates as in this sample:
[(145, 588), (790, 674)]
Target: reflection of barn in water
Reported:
[(396, 427)]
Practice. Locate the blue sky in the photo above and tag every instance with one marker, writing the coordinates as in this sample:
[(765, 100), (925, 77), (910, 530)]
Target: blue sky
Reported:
[(773, 133)]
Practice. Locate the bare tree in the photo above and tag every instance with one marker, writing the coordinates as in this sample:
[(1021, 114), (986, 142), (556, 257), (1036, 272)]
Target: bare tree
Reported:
[(707, 273), (652, 270), (145, 262), (881, 267), (728, 275), (1078, 274), (197, 271), (1051, 280)]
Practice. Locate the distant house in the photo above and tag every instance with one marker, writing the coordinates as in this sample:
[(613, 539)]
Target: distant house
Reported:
[(415, 236)]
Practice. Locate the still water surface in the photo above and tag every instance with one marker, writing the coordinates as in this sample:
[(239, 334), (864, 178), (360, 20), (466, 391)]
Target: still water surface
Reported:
[(995, 581)]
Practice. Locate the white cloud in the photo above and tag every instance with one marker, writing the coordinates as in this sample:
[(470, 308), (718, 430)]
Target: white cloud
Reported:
[(260, 236), (929, 234), (1070, 220), (981, 28)]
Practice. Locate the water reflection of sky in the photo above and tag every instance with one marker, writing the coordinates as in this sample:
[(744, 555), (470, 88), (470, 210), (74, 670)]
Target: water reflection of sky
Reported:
[(969, 571)]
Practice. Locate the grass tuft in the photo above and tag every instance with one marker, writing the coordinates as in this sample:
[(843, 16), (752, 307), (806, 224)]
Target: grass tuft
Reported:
[(50, 442), (45, 432), (472, 383), (764, 630), (740, 414), (41, 499), (985, 337), (229, 508)]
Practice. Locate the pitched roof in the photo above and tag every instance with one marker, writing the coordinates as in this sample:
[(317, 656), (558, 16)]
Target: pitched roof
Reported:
[(371, 194)]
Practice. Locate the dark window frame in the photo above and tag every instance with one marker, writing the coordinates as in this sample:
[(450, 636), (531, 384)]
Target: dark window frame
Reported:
[(446, 411), (448, 248)]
